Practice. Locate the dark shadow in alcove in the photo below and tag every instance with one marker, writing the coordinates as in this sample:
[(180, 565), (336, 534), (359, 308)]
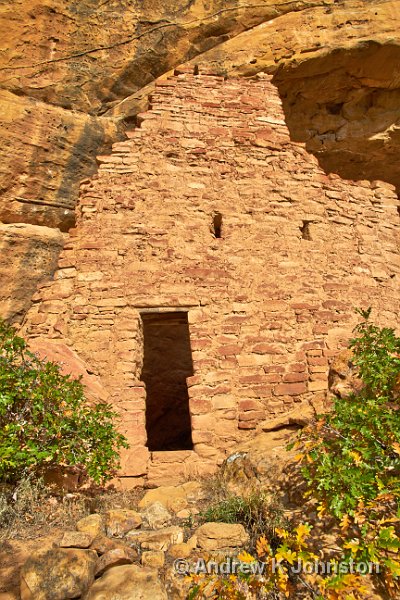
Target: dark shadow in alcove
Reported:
[(167, 363), (341, 104)]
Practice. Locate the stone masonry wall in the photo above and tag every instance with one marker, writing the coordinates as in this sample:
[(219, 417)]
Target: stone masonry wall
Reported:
[(268, 303)]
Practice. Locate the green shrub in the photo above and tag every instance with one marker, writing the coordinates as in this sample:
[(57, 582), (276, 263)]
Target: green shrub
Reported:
[(258, 512), (45, 420), (351, 457)]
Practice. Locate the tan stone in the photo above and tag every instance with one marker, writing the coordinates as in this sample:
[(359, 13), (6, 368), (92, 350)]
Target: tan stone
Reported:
[(239, 475), (219, 536), (118, 521), (301, 416), (29, 258), (178, 586), (156, 516), (157, 540), (104, 544), (174, 498), (343, 376), (57, 574), (76, 539), (154, 559), (192, 542), (93, 525), (180, 550), (115, 558), (128, 583), (71, 364)]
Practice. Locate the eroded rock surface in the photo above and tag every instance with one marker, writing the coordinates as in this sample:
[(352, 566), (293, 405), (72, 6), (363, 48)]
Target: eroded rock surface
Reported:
[(28, 256), (129, 582), (57, 574), (220, 536)]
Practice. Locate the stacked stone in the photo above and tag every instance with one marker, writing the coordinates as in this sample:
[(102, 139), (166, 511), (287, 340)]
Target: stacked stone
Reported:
[(269, 302)]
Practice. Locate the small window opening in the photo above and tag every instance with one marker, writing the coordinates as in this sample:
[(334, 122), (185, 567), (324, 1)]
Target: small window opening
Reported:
[(305, 230), (217, 225), (167, 362), (334, 108)]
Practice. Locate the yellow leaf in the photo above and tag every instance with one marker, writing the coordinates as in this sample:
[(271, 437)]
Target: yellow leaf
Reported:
[(301, 532), (345, 522), (263, 546), (245, 557), (282, 533), (321, 509), (352, 545), (356, 456), (396, 447), (359, 518), (288, 555)]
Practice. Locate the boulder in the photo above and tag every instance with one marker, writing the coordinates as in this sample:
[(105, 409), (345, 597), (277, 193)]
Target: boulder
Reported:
[(239, 474), (119, 521), (58, 574), (343, 378), (174, 498), (115, 558), (76, 539), (103, 544), (71, 364), (93, 525), (221, 536), (180, 550), (184, 549), (153, 558), (156, 516), (128, 583), (157, 540), (299, 417)]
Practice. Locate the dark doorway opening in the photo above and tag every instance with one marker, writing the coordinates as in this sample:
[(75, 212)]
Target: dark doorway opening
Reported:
[(166, 364)]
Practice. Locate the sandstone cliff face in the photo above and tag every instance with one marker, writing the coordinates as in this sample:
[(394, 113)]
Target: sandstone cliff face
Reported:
[(73, 75), (28, 257)]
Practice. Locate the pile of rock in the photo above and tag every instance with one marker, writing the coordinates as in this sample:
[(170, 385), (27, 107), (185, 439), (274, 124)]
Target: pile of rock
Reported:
[(127, 554)]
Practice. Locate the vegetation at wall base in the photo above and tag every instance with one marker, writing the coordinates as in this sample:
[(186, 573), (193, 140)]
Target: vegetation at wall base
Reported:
[(350, 459), (45, 420), (351, 456), (259, 513)]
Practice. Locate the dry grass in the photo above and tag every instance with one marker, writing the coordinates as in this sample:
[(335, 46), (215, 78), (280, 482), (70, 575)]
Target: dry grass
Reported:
[(258, 511), (31, 509)]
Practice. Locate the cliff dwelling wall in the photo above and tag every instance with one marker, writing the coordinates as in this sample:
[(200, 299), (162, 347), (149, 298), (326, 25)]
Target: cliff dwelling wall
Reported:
[(209, 210)]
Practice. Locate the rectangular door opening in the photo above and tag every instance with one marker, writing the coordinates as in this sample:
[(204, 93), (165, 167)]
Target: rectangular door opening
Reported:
[(167, 362)]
